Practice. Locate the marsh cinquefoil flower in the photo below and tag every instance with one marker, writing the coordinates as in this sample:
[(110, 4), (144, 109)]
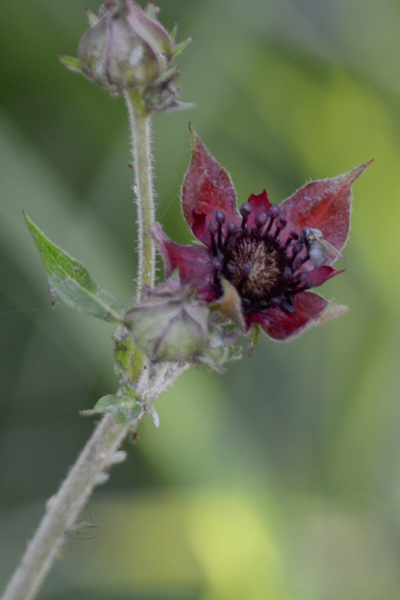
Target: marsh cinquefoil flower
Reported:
[(260, 249)]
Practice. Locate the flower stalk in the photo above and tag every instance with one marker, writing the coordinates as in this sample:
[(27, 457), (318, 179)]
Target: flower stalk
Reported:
[(140, 123)]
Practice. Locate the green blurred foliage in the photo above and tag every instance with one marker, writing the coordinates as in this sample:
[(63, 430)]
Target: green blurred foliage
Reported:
[(280, 480)]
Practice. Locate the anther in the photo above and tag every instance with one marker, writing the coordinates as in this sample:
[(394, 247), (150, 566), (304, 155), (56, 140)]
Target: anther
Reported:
[(245, 270), (260, 220), (217, 270), (245, 211), (287, 274), (231, 243), (256, 292), (238, 233), (300, 278), (231, 226), (287, 306), (296, 249), (212, 228), (298, 262), (301, 282), (273, 212), (229, 269), (220, 218), (291, 237), (216, 263), (280, 224)]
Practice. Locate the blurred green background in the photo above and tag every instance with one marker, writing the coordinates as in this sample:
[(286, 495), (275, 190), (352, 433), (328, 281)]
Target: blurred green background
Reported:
[(281, 479)]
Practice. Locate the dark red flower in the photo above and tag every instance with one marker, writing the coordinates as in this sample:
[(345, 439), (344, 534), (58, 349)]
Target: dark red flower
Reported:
[(263, 249)]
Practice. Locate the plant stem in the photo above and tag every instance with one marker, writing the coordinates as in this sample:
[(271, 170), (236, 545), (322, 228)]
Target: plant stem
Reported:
[(140, 123), (63, 509)]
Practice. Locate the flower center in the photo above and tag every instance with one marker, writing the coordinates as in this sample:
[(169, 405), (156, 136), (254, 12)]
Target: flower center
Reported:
[(255, 266), (262, 262)]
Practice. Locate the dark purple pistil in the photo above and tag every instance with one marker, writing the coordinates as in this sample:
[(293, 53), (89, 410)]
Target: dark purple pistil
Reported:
[(263, 269)]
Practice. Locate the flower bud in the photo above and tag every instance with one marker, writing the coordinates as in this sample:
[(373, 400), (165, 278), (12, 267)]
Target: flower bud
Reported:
[(127, 48), (170, 324)]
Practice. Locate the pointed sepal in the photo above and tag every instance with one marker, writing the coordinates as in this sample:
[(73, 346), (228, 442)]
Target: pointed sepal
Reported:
[(72, 64)]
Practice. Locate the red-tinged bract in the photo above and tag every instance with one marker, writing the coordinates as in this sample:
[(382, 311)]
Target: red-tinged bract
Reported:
[(262, 249)]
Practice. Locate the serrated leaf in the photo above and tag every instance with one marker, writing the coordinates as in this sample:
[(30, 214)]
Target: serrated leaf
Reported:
[(71, 281), (122, 408)]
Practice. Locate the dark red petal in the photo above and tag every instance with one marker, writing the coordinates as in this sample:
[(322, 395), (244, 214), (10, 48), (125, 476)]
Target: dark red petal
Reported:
[(322, 274), (206, 188), (318, 276), (324, 205), (280, 325), (194, 263), (259, 204)]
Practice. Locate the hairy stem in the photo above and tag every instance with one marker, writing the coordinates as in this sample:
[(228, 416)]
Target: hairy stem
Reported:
[(140, 123), (63, 509)]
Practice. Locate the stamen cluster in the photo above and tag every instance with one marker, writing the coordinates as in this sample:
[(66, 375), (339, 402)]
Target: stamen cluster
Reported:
[(262, 262)]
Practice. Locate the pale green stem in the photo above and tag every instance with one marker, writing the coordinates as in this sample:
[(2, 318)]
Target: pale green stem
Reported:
[(98, 455), (140, 123), (63, 509)]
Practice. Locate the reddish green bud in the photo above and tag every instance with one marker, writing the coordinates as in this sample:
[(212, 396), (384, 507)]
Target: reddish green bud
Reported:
[(127, 48), (172, 325)]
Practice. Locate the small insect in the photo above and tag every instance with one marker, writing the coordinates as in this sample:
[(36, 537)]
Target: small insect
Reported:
[(79, 530), (318, 247)]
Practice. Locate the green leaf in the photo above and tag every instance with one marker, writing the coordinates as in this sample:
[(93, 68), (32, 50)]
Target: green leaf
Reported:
[(122, 408), (71, 281)]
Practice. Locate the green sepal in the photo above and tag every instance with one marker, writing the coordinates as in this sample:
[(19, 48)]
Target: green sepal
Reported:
[(71, 63), (179, 48), (92, 18), (71, 281), (122, 408), (216, 357), (254, 335)]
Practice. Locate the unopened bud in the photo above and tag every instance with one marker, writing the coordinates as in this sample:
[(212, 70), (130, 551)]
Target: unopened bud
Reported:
[(170, 324), (128, 48)]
